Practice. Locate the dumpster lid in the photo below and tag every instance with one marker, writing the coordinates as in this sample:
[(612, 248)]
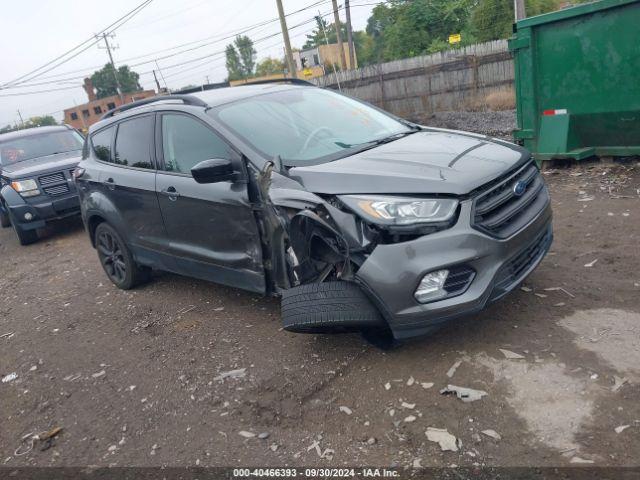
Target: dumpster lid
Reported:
[(583, 9)]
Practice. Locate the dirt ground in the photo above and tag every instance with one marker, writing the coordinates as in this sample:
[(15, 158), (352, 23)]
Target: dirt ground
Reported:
[(136, 378)]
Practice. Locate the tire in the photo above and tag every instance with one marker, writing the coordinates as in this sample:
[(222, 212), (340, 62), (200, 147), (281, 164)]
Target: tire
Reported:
[(116, 259), (328, 307), (25, 237), (5, 222)]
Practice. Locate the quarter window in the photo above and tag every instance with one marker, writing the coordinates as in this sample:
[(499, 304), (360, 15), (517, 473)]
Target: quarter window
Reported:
[(101, 143), (133, 142), (187, 142)]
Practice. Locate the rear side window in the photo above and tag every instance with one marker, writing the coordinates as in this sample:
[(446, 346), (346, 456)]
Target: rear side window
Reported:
[(187, 142), (133, 142), (101, 143)]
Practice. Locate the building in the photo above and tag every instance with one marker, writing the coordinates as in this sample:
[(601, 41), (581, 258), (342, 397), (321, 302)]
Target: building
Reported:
[(83, 116), (318, 61)]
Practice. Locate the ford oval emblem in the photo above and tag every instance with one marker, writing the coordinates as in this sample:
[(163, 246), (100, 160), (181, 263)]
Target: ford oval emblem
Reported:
[(519, 188)]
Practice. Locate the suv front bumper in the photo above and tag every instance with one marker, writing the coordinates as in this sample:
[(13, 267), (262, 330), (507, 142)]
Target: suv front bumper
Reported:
[(391, 274), (43, 210)]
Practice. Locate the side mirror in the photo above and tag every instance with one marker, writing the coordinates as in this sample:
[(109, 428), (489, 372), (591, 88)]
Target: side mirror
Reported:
[(213, 171)]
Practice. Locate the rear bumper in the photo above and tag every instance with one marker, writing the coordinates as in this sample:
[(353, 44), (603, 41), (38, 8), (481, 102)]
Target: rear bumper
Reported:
[(392, 273), (43, 211)]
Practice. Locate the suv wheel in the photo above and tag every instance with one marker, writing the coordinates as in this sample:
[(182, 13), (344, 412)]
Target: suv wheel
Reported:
[(25, 237), (117, 260)]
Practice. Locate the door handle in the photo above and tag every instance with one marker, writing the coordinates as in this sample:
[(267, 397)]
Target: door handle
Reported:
[(111, 185), (170, 192)]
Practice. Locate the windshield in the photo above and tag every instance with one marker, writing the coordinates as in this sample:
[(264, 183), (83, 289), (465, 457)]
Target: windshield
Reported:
[(40, 145), (306, 126)]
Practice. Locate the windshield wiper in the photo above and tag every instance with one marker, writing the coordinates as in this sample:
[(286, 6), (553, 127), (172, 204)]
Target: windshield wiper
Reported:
[(379, 141)]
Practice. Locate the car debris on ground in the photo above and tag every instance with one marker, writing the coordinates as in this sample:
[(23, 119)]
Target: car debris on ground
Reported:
[(10, 377), (238, 373), (511, 355), (492, 433), (463, 393)]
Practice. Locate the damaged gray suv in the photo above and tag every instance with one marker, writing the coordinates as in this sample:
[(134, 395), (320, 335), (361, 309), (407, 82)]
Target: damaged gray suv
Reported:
[(357, 219)]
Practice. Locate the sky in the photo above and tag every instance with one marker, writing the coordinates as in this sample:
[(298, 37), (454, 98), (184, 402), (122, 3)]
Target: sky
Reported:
[(35, 32)]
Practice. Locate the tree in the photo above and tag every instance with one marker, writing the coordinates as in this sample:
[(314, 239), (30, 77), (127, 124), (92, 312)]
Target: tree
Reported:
[(269, 66), (240, 58), (493, 19), (317, 35), (104, 81), (41, 121)]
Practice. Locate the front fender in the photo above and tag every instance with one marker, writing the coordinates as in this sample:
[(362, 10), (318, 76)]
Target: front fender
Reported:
[(11, 198)]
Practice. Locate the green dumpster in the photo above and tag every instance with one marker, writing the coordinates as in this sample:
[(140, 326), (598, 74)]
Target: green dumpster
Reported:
[(577, 77)]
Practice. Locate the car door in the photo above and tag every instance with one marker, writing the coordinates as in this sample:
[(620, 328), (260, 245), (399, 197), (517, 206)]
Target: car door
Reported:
[(128, 178), (211, 227)]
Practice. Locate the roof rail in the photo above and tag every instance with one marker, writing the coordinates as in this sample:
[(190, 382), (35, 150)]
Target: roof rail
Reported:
[(186, 99), (294, 81)]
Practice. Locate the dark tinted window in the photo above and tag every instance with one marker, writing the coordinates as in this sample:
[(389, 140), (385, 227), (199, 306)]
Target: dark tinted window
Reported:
[(187, 142), (101, 142), (133, 142)]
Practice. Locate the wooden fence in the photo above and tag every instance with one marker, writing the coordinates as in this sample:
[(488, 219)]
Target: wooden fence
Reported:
[(450, 80)]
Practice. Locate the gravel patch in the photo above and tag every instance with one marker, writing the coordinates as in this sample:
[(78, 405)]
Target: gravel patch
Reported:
[(495, 124)]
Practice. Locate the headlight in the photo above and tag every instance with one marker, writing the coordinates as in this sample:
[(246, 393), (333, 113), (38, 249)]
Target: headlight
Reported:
[(401, 210), (26, 188)]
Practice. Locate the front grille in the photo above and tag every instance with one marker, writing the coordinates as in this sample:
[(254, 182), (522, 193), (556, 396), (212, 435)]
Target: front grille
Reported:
[(458, 280), (57, 189), (51, 178), (517, 267), (499, 212)]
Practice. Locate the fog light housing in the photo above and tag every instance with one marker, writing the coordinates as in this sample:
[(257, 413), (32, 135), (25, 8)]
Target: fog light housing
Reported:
[(432, 286), (28, 216)]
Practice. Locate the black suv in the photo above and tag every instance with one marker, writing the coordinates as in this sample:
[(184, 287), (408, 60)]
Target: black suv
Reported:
[(36, 167), (358, 219)]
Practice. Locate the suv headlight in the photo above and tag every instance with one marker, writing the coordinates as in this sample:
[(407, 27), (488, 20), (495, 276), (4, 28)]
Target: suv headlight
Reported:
[(401, 210), (26, 188)]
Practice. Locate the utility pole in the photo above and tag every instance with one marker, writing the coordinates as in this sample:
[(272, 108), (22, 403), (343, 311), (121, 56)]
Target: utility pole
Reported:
[(157, 82), (113, 65), (21, 120), (162, 75), (336, 18), (352, 50), (518, 6), (285, 36)]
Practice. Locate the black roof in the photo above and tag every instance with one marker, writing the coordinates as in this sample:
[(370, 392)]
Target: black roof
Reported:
[(28, 132)]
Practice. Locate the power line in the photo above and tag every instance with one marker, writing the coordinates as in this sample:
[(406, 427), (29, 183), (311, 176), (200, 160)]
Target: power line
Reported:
[(38, 91), (217, 38), (32, 74)]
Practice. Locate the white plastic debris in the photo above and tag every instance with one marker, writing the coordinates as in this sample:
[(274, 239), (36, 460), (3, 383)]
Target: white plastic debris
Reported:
[(416, 463), (245, 434), (7, 335), (387, 386), (526, 289), (492, 433), (411, 381), (463, 393), (621, 428), (346, 410), (98, 374), (442, 437), (426, 385), (410, 406), (580, 460), (589, 265), (510, 355), (453, 368), (238, 373), (410, 418), (9, 378)]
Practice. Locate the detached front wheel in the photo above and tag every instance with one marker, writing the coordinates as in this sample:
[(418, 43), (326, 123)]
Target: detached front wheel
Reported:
[(329, 307), (116, 259)]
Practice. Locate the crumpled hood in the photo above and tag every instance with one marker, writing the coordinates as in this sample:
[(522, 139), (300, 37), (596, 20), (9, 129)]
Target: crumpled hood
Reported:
[(40, 165), (432, 161)]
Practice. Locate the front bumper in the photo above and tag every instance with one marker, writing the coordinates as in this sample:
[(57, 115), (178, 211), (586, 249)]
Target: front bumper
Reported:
[(392, 273), (44, 210)]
